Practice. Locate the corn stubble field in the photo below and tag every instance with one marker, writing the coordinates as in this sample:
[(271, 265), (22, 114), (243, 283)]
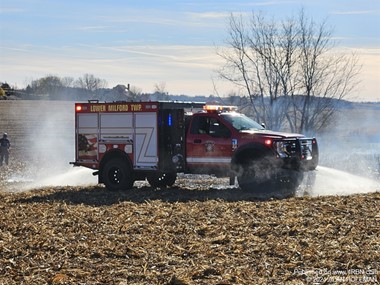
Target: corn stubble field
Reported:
[(197, 232)]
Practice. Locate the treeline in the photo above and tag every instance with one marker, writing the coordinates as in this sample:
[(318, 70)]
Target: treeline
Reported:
[(52, 87), (90, 87)]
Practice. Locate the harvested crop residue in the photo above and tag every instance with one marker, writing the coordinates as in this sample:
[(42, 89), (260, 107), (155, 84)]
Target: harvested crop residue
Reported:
[(77, 235), (199, 232)]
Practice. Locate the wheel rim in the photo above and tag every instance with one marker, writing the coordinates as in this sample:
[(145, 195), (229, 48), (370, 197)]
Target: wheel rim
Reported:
[(115, 175), (162, 179)]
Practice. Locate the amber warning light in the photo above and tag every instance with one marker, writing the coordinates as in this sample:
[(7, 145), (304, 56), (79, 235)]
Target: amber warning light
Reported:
[(219, 108)]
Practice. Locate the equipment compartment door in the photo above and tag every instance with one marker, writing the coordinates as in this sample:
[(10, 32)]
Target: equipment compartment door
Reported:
[(145, 142), (87, 137)]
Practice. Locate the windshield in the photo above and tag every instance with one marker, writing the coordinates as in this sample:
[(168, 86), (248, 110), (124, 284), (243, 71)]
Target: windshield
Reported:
[(241, 122)]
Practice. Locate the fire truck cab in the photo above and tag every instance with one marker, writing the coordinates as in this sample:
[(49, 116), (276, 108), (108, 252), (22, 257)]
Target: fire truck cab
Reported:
[(129, 141)]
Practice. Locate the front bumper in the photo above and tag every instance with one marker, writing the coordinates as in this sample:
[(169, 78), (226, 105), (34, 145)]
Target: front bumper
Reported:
[(297, 153)]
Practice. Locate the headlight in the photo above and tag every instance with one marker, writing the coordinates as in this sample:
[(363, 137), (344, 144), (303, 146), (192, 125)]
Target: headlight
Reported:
[(284, 148), (306, 149), (280, 149)]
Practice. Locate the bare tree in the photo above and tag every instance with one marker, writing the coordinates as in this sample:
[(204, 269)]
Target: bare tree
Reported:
[(90, 82), (50, 85), (135, 94), (68, 81), (325, 76), (285, 67), (160, 91), (260, 60)]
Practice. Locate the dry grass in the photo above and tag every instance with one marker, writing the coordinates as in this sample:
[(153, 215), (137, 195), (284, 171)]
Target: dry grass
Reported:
[(194, 233)]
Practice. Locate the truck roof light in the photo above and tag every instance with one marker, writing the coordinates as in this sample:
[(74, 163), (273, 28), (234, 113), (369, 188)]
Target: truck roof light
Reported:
[(219, 108), (78, 108)]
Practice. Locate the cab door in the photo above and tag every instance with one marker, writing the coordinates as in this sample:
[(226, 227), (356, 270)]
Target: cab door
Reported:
[(209, 145)]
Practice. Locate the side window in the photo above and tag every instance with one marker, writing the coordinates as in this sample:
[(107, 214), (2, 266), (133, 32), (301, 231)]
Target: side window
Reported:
[(209, 126), (200, 125), (218, 130)]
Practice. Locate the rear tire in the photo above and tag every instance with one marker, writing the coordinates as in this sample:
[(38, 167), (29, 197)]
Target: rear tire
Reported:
[(117, 174), (158, 179)]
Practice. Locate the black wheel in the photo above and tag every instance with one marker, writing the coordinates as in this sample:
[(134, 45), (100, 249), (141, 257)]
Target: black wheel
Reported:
[(256, 173), (246, 176), (117, 174), (170, 178), (289, 180), (158, 179), (232, 179)]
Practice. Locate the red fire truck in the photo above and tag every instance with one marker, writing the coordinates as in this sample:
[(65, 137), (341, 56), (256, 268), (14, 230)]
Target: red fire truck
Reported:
[(129, 141)]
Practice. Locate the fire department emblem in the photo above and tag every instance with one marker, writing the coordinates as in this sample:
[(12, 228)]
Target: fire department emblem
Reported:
[(209, 146)]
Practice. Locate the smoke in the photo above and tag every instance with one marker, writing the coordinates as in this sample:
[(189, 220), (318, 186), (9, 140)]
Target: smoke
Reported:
[(349, 154), (44, 145)]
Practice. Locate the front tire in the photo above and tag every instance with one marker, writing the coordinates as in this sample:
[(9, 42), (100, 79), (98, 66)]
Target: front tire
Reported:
[(256, 174), (117, 174), (264, 177)]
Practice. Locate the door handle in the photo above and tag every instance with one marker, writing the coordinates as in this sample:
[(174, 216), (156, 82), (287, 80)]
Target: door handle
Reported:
[(197, 141)]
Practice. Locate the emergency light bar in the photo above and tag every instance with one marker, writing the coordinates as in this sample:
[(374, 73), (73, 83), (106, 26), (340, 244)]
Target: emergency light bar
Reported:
[(219, 108)]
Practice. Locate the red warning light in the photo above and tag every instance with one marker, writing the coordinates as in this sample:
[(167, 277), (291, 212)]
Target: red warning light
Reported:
[(268, 142), (78, 108)]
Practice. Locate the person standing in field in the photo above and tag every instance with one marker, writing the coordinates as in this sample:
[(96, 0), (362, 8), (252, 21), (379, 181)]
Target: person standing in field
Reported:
[(4, 149)]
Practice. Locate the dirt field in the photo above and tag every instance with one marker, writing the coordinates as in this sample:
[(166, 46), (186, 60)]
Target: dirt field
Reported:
[(198, 232)]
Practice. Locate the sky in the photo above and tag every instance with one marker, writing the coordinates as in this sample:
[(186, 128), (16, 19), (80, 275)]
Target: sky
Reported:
[(163, 43)]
